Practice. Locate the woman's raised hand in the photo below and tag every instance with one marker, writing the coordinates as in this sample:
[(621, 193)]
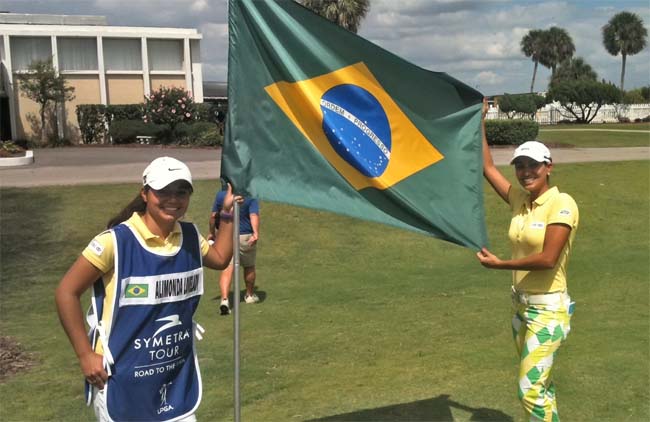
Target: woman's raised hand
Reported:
[(230, 199)]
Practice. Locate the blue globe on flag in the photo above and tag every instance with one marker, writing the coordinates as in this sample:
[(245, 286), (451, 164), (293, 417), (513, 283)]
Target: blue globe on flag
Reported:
[(357, 128)]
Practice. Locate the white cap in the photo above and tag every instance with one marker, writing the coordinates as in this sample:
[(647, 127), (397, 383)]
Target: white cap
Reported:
[(164, 170), (533, 149)]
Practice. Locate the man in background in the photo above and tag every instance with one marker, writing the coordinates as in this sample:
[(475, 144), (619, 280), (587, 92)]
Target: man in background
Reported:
[(249, 225)]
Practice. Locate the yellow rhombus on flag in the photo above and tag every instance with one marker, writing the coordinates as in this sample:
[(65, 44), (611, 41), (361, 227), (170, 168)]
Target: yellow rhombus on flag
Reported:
[(303, 104)]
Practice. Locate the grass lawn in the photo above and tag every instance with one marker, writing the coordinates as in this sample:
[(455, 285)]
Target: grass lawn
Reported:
[(596, 135), (358, 321), (596, 126), (593, 139)]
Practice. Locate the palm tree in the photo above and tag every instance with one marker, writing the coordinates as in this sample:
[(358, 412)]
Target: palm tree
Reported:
[(625, 34), (574, 69), (559, 47), (532, 45), (345, 13)]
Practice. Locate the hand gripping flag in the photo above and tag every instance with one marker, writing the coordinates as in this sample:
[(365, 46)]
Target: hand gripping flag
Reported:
[(322, 118)]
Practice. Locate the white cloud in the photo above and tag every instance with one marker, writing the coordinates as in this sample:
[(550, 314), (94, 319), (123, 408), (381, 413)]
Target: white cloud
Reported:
[(479, 41), (475, 41), (217, 31), (488, 78), (220, 69), (199, 6)]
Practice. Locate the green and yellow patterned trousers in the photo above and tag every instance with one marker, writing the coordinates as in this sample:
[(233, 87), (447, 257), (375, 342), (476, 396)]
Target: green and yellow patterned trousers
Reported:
[(538, 331)]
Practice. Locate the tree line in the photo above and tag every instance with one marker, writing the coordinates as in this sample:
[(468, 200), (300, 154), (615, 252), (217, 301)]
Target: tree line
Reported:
[(573, 81), (554, 48)]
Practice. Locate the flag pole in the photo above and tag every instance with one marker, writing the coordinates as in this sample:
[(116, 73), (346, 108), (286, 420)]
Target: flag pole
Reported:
[(235, 258)]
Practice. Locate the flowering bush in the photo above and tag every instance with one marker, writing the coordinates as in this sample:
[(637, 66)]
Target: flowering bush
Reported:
[(169, 106)]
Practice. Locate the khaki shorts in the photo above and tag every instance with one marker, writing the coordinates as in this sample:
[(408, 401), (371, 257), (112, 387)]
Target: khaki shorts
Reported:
[(247, 253)]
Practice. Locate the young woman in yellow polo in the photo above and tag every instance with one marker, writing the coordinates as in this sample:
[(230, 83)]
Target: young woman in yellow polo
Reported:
[(543, 226), (146, 275)]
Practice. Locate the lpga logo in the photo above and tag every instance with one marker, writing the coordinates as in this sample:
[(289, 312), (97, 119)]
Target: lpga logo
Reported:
[(164, 406)]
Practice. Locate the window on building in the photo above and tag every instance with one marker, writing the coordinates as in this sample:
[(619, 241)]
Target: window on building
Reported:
[(26, 50), (165, 54), (122, 54), (77, 53)]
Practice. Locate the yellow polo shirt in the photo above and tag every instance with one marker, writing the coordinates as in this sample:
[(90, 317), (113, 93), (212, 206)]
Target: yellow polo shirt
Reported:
[(527, 231), (100, 252)]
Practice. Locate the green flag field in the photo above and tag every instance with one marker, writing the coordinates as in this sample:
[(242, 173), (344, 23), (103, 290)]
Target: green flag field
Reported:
[(345, 126), (358, 321)]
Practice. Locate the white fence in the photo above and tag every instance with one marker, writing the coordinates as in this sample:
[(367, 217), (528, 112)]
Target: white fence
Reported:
[(553, 113)]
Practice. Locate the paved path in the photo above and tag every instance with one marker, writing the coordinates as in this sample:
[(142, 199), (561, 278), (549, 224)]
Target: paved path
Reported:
[(101, 165), (579, 155)]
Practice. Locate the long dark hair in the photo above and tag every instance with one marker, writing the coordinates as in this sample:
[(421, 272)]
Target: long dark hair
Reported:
[(136, 205)]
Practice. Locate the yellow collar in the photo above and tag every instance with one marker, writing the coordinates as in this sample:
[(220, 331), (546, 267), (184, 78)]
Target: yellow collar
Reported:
[(546, 196), (143, 231)]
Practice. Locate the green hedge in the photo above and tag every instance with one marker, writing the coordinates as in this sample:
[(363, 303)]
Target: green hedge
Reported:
[(92, 122), (211, 112), (93, 119), (510, 132), (198, 134), (195, 133), (126, 131), (124, 112)]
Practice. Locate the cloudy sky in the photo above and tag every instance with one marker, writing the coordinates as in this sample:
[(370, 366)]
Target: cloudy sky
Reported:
[(476, 41)]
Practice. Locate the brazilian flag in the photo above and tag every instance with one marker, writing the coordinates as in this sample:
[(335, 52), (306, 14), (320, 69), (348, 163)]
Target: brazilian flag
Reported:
[(136, 291), (322, 118)]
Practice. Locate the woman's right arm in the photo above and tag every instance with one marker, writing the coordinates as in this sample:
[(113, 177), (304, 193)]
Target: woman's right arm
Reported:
[(79, 278), (492, 174), (220, 253)]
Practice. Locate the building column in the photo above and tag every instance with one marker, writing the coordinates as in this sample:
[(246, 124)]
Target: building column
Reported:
[(197, 71), (11, 94), (60, 108), (102, 71), (145, 67), (187, 66)]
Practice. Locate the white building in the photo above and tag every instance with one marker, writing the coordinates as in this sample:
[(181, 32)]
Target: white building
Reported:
[(105, 64)]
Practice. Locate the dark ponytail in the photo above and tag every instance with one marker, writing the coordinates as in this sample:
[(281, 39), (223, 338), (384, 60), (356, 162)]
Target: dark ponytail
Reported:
[(136, 205)]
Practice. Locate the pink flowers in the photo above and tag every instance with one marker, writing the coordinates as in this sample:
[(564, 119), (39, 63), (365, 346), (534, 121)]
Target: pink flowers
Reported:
[(168, 106)]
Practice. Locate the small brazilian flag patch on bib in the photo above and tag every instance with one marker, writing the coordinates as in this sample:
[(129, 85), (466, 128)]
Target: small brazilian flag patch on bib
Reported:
[(136, 290)]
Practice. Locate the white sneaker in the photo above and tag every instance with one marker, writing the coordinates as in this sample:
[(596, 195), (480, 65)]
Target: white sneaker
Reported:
[(251, 298), (224, 307)]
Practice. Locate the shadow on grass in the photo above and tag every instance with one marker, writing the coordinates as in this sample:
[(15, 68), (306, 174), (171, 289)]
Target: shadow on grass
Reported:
[(434, 409), (22, 244)]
